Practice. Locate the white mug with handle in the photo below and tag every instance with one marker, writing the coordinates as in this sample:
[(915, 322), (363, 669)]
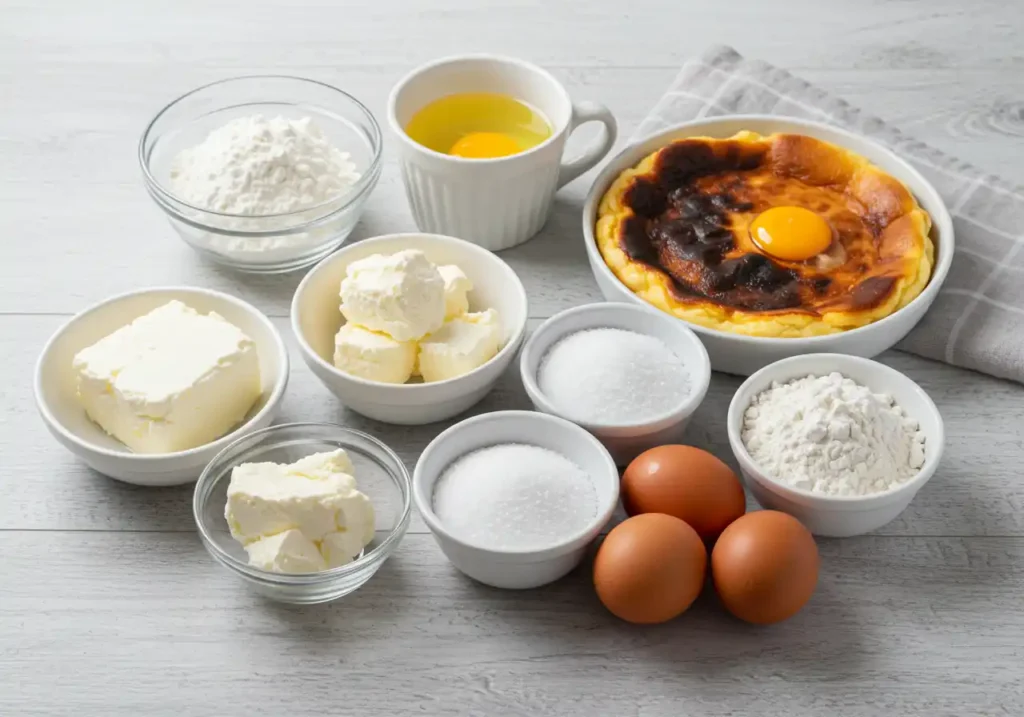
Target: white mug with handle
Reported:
[(496, 203)]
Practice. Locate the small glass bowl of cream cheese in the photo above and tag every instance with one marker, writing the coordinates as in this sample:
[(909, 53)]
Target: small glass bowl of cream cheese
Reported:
[(260, 127), (380, 474)]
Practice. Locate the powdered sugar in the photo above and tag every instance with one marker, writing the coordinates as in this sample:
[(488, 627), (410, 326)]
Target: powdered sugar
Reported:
[(831, 435), (254, 166), (514, 496), (612, 376)]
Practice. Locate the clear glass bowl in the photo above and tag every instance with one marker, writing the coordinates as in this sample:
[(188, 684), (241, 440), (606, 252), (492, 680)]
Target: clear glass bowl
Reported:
[(380, 474), (271, 243)]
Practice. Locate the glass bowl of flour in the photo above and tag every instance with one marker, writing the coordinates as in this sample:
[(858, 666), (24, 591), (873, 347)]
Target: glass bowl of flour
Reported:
[(262, 174)]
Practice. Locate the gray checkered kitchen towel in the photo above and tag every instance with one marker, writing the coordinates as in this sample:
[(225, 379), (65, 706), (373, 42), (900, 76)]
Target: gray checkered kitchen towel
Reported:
[(977, 320)]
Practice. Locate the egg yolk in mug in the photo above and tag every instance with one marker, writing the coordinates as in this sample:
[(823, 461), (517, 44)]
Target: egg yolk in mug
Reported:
[(478, 125), (483, 145)]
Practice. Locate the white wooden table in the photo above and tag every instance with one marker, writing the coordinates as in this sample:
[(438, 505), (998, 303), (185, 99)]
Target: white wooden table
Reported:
[(110, 606)]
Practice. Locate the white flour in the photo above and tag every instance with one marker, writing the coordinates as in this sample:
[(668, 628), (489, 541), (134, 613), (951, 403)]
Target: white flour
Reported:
[(255, 166), (828, 434)]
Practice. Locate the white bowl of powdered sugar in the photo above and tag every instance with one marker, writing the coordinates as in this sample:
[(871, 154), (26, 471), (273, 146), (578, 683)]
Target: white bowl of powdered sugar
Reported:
[(513, 498), (262, 174), (842, 443), (630, 375)]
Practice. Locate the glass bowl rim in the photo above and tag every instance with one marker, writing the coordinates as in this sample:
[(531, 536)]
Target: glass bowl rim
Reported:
[(204, 486), (163, 195)]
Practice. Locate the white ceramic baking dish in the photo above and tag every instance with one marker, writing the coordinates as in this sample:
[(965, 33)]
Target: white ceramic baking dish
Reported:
[(743, 355)]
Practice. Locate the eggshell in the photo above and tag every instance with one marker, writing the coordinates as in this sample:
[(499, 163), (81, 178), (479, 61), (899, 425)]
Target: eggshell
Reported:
[(650, 568), (685, 482), (765, 567)]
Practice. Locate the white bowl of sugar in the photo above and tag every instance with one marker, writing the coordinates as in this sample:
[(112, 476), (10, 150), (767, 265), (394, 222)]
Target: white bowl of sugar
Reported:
[(630, 375), (513, 498)]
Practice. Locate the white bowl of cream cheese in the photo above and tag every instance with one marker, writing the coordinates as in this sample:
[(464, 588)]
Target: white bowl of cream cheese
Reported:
[(64, 414)]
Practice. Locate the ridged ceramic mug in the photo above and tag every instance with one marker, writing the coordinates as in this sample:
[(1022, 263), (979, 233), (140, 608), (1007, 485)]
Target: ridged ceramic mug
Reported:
[(496, 203)]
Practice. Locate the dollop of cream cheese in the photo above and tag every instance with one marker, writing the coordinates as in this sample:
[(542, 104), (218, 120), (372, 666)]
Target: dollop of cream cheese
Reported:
[(401, 295)]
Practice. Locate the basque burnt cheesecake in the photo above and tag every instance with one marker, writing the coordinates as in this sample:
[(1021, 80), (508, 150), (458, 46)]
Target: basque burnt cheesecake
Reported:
[(780, 236)]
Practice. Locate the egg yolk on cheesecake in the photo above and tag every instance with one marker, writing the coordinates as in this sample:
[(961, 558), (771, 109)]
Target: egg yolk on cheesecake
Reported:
[(791, 233)]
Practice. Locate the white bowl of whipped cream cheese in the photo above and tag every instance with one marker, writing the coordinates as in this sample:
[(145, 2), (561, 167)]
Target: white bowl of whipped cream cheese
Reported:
[(393, 302)]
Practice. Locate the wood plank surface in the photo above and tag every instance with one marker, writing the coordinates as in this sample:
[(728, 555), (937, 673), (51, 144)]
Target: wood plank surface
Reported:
[(149, 624), (109, 605)]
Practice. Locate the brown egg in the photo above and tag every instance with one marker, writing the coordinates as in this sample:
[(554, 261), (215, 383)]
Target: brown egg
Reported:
[(650, 568), (686, 482), (765, 567)]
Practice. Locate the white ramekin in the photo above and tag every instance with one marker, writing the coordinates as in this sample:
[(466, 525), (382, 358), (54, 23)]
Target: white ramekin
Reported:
[(496, 203), (316, 319), (624, 441), (733, 353), (511, 568), (837, 516), (56, 393)]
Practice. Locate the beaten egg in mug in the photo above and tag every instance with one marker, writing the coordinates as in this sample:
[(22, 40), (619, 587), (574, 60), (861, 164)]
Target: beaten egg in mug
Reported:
[(478, 125)]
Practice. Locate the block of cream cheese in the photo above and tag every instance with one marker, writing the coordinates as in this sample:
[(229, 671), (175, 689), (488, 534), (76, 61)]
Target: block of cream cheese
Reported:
[(373, 356), (341, 548), (287, 552), (456, 286), (401, 295), (315, 496), (323, 465), (171, 380), (461, 345)]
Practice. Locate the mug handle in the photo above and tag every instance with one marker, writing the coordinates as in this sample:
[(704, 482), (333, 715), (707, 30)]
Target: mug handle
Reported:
[(583, 112)]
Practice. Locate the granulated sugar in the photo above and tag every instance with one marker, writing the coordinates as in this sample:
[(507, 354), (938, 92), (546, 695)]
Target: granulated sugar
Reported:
[(613, 376), (514, 496)]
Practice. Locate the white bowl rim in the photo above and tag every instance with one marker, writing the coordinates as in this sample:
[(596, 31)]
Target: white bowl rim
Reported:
[(404, 137), (435, 524), (380, 552), (942, 222), (510, 346), (734, 419), (356, 190), (688, 405), (280, 383)]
